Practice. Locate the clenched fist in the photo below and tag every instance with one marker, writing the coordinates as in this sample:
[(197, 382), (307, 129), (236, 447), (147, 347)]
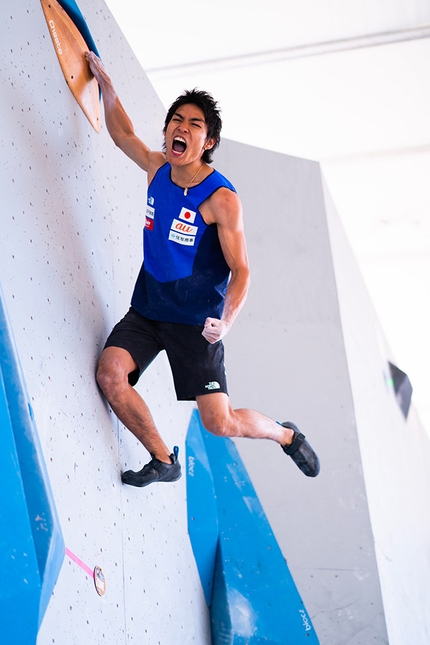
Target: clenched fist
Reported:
[(215, 329)]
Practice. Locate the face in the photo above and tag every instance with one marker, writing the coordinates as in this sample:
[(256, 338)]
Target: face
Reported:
[(186, 136)]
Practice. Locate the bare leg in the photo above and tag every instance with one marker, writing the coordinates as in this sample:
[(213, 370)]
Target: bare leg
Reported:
[(219, 418), (112, 376)]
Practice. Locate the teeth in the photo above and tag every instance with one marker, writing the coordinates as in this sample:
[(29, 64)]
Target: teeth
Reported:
[(179, 149)]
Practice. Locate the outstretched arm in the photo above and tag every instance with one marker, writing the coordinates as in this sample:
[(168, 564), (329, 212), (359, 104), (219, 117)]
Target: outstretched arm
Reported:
[(118, 122), (225, 210)]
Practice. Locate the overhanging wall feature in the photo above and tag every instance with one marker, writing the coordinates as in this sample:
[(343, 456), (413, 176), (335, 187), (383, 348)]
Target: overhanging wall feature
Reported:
[(308, 347)]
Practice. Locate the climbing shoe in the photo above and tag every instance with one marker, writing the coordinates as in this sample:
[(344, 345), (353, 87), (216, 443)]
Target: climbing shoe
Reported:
[(154, 471), (301, 452)]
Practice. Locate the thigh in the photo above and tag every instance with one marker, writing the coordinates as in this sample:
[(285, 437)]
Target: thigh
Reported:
[(215, 411)]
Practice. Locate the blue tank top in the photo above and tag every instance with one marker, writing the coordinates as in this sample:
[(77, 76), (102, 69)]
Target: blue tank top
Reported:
[(184, 275)]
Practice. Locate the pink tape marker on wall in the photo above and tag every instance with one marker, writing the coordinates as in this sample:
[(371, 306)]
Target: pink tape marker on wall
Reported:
[(96, 574)]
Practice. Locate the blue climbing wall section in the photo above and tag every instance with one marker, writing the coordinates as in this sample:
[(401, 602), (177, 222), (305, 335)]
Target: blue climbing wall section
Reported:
[(31, 543), (252, 596)]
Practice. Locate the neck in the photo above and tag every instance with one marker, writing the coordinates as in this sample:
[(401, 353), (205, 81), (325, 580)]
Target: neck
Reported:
[(184, 175)]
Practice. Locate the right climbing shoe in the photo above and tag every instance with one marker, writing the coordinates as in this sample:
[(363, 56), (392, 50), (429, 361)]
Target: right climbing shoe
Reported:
[(301, 452)]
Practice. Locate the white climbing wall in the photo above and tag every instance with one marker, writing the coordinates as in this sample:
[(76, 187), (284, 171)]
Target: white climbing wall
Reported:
[(70, 250), (308, 348)]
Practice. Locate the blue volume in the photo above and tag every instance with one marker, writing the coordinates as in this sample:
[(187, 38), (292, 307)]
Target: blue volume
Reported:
[(72, 9), (253, 597)]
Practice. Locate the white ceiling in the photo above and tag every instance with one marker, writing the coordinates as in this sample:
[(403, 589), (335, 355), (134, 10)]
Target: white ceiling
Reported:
[(362, 111)]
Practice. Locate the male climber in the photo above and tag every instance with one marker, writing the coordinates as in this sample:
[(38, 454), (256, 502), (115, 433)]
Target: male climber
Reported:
[(191, 286)]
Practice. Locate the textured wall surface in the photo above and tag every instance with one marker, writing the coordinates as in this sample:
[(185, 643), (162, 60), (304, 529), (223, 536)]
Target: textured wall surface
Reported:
[(70, 250), (306, 347)]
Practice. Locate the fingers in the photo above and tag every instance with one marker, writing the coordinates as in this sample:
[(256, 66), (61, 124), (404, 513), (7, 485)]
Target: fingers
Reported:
[(91, 57), (95, 64), (211, 336), (214, 329)]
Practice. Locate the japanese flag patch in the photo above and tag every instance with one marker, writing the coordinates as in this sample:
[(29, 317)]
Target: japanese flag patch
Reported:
[(187, 215)]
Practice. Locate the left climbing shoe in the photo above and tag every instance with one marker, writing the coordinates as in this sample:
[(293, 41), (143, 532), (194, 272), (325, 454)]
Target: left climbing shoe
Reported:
[(301, 452), (154, 471)]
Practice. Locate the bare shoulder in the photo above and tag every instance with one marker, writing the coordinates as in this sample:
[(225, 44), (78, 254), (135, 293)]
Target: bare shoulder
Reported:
[(223, 208), (156, 159)]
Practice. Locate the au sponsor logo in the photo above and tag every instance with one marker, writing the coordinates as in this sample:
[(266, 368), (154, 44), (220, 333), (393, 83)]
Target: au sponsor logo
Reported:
[(182, 227)]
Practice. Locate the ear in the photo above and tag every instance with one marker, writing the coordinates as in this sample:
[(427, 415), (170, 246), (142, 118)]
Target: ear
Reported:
[(209, 144)]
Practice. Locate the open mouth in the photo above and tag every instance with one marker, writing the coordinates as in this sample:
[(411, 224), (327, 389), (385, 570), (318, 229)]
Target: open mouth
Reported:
[(179, 145)]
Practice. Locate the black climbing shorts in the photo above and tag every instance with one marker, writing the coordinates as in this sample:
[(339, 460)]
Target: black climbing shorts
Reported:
[(197, 366)]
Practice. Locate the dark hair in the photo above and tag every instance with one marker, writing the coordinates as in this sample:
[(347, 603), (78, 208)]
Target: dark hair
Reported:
[(211, 111)]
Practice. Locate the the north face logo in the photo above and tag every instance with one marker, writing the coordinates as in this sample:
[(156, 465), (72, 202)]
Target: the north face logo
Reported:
[(213, 385)]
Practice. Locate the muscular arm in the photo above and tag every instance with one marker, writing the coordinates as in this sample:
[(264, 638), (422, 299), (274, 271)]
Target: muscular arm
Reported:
[(119, 124), (225, 210)]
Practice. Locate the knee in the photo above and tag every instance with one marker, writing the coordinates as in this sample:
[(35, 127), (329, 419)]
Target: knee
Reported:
[(217, 424), (111, 377)]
